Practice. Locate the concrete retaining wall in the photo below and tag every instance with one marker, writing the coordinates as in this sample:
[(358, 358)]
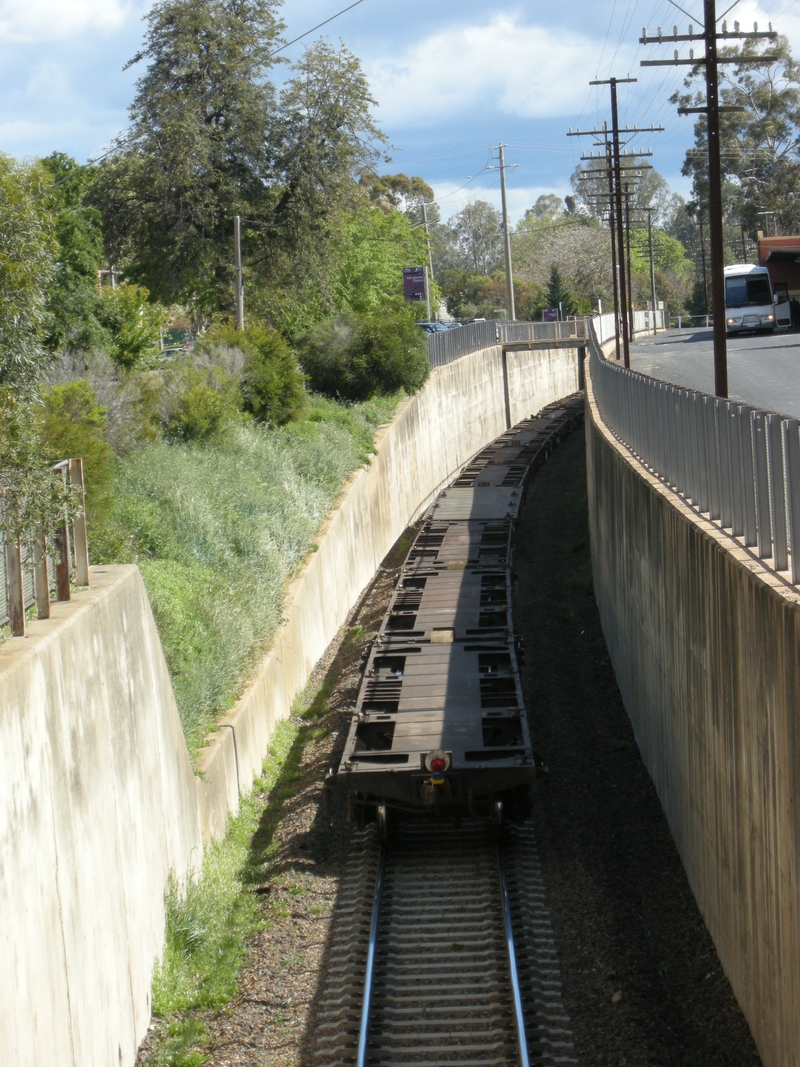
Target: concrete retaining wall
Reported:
[(98, 802), (705, 643), (96, 808)]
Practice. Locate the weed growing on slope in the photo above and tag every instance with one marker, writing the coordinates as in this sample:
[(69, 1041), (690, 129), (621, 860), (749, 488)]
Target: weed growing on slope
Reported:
[(218, 527)]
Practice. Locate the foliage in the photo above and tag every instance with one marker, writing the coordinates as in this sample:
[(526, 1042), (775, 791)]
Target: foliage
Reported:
[(35, 499), (73, 425), (74, 303), (576, 245), (195, 153), (198, 402), (272, 383), (374, 247), (469, 295), (477, 232), (558, 295), (217, 528), (358, 357), (759, 146), (27, 261), (133, 322)]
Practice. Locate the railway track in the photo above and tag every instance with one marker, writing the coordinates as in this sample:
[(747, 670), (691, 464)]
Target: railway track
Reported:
[(457, 964)]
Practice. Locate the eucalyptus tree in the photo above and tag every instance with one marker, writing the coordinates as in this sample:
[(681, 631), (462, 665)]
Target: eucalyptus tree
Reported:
[(760, 144)]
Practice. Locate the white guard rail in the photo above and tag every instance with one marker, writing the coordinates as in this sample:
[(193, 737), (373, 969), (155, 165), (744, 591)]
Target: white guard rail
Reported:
[(737, 465)]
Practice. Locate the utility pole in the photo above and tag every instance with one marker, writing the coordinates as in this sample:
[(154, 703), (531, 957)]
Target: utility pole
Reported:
[(628, 254), (744, 245), (611, 226), (649, 211), (429, 268), (590, 175), (617, 198), (502, 167), (711, 110), (703, 261), (766, 215), (237, 249)]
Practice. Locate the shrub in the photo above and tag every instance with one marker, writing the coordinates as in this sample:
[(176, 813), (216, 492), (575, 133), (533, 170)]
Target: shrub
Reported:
[(358, 357), (134, 323), (198, 400), (73, 425), (272, 383)]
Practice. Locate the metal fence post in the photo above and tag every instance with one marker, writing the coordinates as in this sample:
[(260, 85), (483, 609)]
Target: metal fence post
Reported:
[(61, 545), (764, 528), (748, 477), (792, 447), (41, 579), (777, 496), (737, 453), (80, 544), (16, 595), (724, 453)]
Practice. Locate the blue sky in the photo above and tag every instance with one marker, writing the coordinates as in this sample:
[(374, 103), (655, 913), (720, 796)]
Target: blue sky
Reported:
[(452, 79)]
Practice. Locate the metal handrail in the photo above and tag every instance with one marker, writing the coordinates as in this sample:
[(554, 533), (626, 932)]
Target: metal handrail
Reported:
[(369, 975), (519, 1018), (735, 464)]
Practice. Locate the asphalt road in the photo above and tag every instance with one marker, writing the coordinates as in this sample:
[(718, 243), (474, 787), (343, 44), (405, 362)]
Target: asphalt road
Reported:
[(763, 369)]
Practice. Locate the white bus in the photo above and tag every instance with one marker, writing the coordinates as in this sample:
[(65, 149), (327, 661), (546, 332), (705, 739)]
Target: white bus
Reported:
[(749, 303)]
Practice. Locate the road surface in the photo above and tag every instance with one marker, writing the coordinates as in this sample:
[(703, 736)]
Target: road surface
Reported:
[(763, 369)]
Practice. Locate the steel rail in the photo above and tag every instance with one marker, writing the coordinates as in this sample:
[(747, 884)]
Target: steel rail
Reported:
[(366, 1004), (519, 1018)]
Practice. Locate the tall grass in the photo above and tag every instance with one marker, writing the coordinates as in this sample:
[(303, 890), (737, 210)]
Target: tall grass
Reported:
[(218, 527)]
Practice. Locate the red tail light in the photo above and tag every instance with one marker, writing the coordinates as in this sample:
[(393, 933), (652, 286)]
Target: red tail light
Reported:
[(438, 765)]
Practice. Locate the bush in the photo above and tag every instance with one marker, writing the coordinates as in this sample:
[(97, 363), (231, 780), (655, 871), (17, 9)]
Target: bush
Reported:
[(198, 400), (73, 425), (358, 357), (133, 322), (272, 383)]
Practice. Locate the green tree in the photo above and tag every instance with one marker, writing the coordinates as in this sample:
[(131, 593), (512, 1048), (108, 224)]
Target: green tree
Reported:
[(196, 151), (28, 252), (358, 357), (271, 382), (73, 301), (760, 145), (132, 322), (73, 424), (558, 296), (478, 237)]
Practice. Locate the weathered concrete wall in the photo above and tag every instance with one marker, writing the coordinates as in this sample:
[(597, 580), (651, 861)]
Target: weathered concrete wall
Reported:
[(98, 803), (705, 643), (463, 406), (96, 808)]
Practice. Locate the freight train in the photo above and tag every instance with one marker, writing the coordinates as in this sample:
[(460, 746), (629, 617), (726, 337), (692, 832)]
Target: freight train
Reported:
[(440, 723)]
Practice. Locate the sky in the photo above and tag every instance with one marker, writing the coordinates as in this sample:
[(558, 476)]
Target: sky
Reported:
[(452, 80)]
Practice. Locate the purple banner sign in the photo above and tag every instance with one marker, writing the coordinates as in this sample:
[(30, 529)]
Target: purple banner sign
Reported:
[(414, 283), (550, 315)]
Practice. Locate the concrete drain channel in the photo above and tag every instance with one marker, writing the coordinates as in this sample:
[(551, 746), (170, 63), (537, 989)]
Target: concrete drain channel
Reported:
[(442, 954)]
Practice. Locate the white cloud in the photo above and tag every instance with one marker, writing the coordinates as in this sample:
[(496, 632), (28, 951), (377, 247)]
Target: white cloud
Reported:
[(42, 20), (520, 69), (451, 198)]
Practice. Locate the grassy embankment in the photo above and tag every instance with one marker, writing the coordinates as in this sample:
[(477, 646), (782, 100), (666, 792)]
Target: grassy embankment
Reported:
[(217, 528)]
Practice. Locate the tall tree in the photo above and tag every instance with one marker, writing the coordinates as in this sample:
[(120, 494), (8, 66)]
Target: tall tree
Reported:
[(197, 150), (478, 236), (27, 261), (74, 304), (760, 145)]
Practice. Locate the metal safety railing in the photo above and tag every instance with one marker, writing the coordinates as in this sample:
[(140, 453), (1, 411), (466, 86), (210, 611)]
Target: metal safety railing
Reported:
[(447, 345), (735, 464), (29, 577)]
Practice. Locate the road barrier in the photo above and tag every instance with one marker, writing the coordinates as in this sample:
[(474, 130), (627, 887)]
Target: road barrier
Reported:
[(737, 465)]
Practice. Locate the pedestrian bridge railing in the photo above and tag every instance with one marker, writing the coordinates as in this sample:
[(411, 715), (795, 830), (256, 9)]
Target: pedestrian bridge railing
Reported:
[(737, 465), (447, 345)]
